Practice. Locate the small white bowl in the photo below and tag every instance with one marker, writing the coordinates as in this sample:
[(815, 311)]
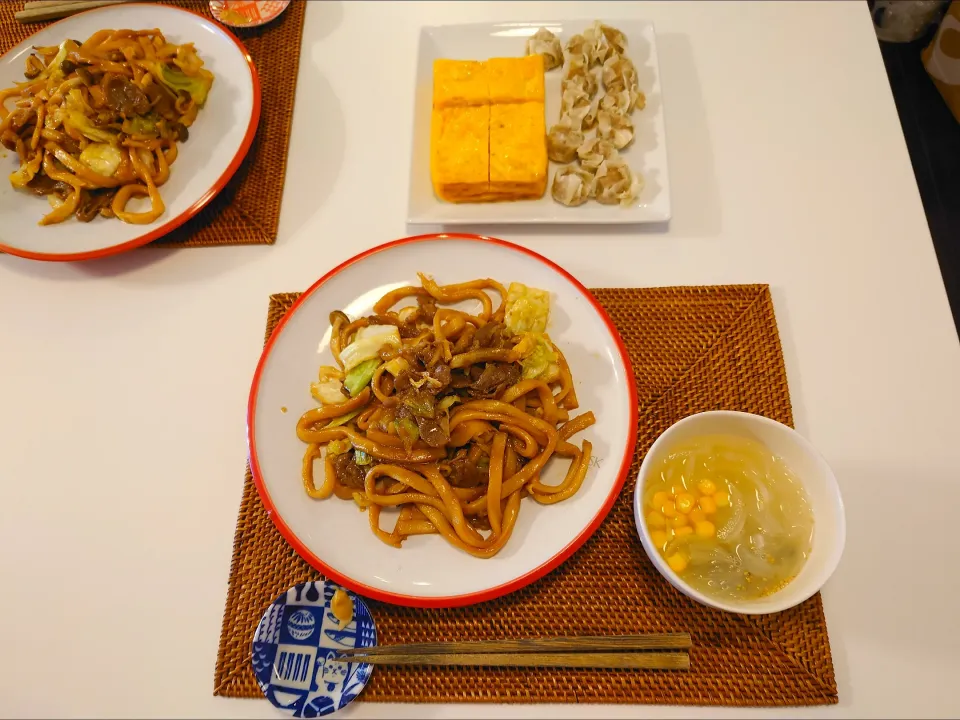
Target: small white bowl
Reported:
[(810, 468)]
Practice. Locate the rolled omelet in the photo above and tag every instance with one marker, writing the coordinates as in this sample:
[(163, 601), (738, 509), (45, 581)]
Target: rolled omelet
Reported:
[(518, 151), (458, 83), (516, 80), (460, 153)]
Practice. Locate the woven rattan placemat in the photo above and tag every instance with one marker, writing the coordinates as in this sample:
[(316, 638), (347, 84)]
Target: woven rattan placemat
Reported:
[(693, 349), (247, 210)]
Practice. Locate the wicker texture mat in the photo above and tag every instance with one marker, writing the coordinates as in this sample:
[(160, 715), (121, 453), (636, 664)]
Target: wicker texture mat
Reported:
[(693, 349), (247, 210)]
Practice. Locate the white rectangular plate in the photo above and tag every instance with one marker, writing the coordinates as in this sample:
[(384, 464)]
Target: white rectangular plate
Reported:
[(647, 154)]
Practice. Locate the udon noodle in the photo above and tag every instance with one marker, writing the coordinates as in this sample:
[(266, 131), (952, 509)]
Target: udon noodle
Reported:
[(448, 415), (96, 123)]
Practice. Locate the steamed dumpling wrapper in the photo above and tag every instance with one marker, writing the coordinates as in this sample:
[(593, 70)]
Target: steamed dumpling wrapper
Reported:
[(578, 75), (594, 151), (615, 127), (616, 183), (547, 44), (619, 73), (572, 186), (577, 46), (622, 102), (575, 108), (598, 47), (616, 40), (589, 121), (562, 142)]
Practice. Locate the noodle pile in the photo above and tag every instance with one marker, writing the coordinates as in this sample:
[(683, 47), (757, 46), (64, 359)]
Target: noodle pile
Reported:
[(449, 416), (97, 123)]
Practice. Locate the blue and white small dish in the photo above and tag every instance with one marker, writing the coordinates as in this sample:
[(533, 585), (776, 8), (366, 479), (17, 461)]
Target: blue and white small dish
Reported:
[(294, 641)]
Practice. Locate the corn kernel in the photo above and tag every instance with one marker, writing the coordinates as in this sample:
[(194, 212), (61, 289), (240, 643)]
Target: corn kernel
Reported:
[(660, 539), (677, 562), (685, 502), (676, 489), (659, 499), (685, 530), (679, 521), (668, 509), (697, 515), (706, 529), (722, 498), (656, 519), (707, 487), (708, 504)]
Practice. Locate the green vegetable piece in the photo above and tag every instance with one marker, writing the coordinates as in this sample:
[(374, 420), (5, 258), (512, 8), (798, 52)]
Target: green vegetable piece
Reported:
[(361, 458), (408, 430), (358, 378), (198, 86), (338, 447), (342, 420)]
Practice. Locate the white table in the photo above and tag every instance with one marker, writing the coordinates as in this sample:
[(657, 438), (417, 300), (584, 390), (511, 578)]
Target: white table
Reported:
[(123, 383)]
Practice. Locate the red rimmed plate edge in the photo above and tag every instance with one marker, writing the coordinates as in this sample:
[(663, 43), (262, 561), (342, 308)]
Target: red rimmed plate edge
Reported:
[(204, 199), (449, 600)]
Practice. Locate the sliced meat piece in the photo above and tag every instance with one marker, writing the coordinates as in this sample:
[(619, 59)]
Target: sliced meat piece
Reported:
[(349, 474), (465, 474), (494, 379), (125, 97)]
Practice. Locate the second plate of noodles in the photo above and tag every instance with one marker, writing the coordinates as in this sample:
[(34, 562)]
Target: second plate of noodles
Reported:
[(117, 125), (97, 123), (461, 431)]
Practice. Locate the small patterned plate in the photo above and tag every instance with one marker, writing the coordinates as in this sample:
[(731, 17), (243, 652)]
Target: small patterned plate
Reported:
[(296, 636), (247, 13)]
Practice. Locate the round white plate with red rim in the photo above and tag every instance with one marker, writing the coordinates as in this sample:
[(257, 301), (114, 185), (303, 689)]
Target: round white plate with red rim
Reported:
[(332, 535), (218, 142)]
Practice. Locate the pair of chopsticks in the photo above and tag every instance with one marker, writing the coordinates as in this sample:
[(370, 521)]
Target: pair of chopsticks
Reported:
[(626, 651), (52, 9)]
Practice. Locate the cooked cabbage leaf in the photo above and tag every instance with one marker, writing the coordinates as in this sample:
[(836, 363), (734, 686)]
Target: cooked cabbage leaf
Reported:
[(527, 309), (359, 377), (367, 344), (197, 86), (538, 358)]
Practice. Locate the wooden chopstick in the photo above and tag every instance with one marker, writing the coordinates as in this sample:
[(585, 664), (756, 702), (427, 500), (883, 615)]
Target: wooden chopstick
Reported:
[(642, 660), (52, 9), (587, 644)]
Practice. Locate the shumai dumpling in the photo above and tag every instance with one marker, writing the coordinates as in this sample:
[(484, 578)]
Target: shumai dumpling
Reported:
[(577, 47), (547, 44), (596, 42), (594, 152), (616, 183), (615, 127), (622, 102), (562, 143), (575, 106), (578, 74), (616, 40), (619, 73), (572, 186), (589, 121)]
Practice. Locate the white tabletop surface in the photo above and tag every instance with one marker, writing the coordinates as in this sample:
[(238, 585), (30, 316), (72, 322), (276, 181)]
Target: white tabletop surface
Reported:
[(123, 383)]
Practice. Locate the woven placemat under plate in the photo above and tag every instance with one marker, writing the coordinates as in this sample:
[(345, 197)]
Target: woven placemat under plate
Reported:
[(247, 210), (693, 349)]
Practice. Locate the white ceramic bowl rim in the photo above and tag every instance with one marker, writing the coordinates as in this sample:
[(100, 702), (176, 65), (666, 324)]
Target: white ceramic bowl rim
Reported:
[(829, 518)]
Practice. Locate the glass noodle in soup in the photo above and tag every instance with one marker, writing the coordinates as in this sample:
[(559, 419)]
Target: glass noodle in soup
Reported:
[(729, 517)]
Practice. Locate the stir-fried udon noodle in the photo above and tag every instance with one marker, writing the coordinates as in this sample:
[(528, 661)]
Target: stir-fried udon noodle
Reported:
[(96, 123), (449, 416)]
